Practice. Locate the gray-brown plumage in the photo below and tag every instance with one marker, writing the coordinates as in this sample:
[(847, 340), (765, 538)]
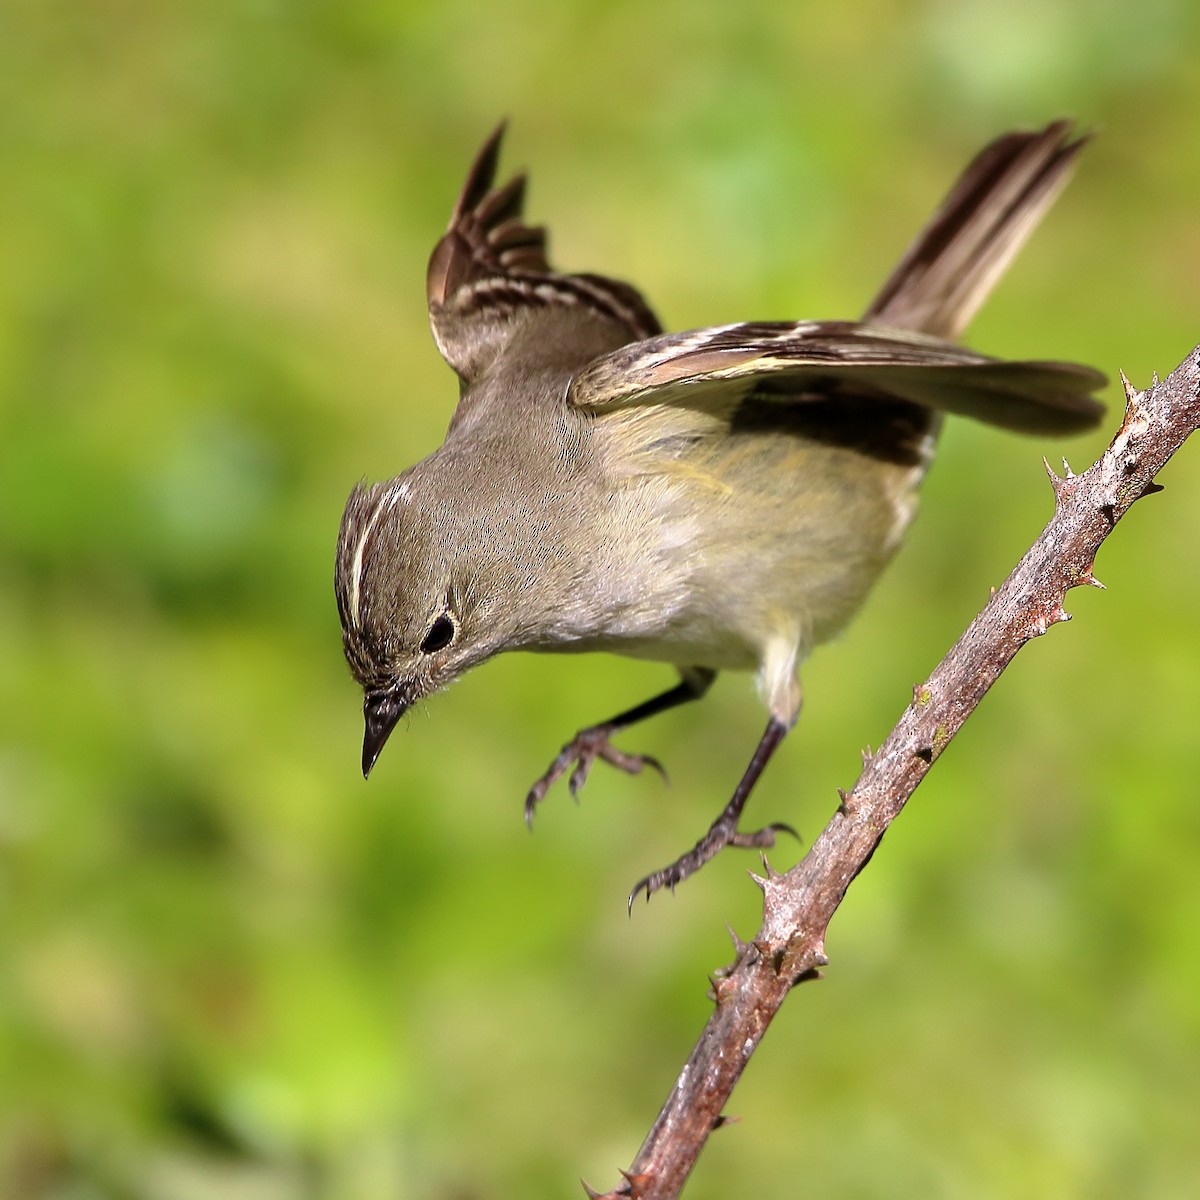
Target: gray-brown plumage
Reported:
[(716, 499)]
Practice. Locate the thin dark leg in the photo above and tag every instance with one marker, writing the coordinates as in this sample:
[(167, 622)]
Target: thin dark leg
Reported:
[(723, 831), (592, 743)]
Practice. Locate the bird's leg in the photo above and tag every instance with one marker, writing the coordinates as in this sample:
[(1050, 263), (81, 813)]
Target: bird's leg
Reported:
[(592, 743), (723, 831)]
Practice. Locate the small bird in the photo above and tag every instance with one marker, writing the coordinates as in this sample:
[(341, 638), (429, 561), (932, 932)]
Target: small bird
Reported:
[(718, 499)]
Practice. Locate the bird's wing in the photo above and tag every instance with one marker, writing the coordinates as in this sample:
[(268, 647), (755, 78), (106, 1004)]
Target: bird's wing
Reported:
[(819, 360), (489, 271)]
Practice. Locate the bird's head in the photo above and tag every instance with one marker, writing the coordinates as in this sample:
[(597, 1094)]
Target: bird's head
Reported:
[(418, 603)]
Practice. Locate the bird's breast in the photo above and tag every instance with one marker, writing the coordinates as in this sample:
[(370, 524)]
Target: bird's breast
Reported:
[(720, 542)]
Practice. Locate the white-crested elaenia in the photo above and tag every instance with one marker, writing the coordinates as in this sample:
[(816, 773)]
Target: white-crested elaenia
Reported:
[(716, 499)]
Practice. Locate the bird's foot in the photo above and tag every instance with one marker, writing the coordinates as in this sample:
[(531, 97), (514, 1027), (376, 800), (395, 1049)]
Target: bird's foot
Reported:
[(578, 755), (723, 833)]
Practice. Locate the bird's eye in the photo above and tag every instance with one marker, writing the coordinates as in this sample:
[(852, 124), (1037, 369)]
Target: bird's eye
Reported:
[(440, 635)]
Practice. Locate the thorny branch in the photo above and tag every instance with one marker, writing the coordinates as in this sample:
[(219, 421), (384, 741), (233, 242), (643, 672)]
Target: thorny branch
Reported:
[(789, 947)]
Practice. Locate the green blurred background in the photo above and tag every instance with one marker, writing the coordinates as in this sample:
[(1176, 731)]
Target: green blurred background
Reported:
[(232, 969)]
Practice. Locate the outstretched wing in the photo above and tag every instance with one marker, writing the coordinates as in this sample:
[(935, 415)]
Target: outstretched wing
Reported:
[(817, 360), (898, 351), (489, 271)]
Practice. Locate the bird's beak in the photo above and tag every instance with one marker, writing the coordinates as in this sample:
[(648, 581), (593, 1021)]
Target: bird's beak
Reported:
[(380, 712)]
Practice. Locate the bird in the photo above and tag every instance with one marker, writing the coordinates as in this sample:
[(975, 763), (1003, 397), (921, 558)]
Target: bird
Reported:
[(718, 499)]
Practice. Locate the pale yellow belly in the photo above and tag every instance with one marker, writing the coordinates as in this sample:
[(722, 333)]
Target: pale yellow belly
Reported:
[(745, 540)]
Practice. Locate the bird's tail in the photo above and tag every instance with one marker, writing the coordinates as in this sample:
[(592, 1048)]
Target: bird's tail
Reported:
[(960, 254)]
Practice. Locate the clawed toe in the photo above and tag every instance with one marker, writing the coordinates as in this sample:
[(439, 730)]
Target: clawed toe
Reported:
[(713, 842), (761, 839), (578, 756)]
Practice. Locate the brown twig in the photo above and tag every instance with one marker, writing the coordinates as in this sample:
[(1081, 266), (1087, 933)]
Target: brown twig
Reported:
[(798, 906)]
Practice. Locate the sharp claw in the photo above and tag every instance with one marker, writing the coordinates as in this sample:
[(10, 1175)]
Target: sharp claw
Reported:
[(643, 885), (580, 754), (578, 777), (648, 761), (717, 839), (668, 877)]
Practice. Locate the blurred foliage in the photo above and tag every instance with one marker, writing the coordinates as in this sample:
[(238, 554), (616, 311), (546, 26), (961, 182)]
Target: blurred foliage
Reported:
[(230, 969)]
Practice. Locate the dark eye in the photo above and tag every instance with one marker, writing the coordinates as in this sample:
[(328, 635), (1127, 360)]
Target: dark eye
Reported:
[(440, 635)]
